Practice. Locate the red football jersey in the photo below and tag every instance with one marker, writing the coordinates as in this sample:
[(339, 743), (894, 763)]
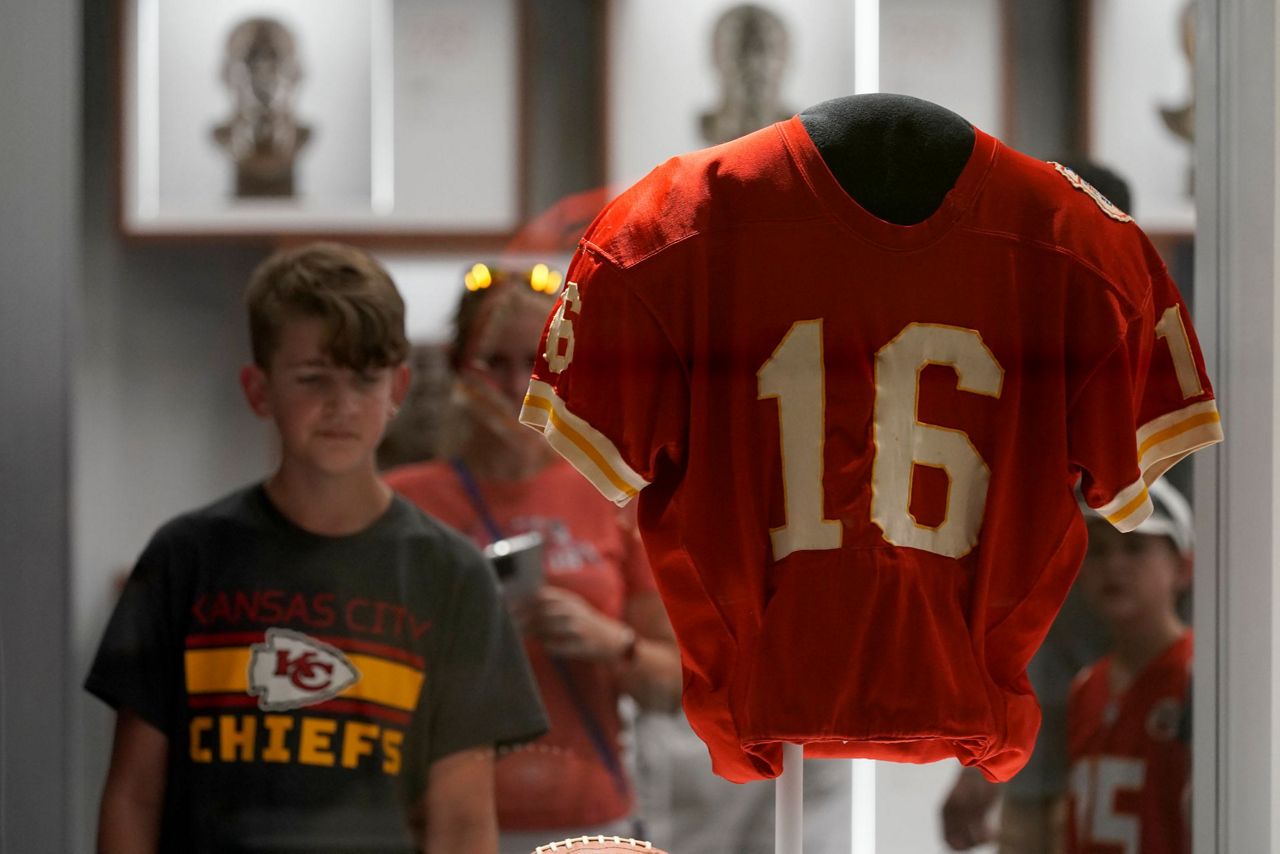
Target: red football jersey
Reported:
[(857, 441), (1130, 764)]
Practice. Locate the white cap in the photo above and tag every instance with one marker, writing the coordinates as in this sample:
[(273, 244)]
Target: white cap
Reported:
[(1170, 517)]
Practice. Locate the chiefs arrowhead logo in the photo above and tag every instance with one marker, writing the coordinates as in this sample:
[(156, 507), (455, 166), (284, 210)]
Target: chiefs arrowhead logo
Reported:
[(289, 670), (1164, 720)]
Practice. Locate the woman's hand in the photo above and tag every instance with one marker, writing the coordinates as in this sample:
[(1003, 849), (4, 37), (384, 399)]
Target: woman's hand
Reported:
[(640, 650), (568, 626)]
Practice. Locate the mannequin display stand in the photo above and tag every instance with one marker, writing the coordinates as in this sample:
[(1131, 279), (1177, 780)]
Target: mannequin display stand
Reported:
[(788, 833), (897, 157)]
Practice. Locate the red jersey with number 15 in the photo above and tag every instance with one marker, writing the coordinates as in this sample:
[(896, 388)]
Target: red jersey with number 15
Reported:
[(855, 443), (1130, 761)]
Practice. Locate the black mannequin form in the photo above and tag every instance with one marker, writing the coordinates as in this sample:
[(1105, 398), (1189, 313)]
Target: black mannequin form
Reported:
[(895, 155)]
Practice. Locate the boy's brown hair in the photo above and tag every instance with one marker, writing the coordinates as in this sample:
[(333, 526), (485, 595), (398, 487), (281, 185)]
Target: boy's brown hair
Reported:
[(338, 283)]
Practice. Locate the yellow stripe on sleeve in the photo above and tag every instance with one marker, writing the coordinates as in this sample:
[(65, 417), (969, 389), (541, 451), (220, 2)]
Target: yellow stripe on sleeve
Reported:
[(587, 449), (1118, 517), (1176, 434), (1162, 442), (1178, 429), (1129, 508)]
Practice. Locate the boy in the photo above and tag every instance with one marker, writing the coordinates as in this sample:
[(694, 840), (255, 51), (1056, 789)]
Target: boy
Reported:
[(1127, 716), (311, 663)]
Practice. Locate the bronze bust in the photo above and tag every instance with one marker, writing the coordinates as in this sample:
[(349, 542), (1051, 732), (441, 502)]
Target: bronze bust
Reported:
[(262, 135)]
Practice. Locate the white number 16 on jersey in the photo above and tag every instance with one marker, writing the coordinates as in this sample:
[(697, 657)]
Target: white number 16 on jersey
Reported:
[(796, 376)]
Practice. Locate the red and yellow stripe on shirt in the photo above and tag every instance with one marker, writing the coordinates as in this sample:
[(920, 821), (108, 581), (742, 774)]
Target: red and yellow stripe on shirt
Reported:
[(1162, 442), (389, 684), (589, 450)]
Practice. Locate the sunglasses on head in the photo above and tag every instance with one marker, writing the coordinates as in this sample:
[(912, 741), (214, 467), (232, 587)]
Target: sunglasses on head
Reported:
[(540, 278)]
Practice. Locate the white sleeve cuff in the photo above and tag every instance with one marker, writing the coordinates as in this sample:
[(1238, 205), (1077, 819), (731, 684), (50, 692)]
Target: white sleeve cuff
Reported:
[(586, 448)]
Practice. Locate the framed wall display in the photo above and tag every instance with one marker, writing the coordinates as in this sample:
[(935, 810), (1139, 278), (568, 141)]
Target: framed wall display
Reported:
[(288, 117), (685, 74), (1139, 107)]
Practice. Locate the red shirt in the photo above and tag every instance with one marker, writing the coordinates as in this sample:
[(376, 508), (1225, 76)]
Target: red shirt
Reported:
[(857, 441), (590, 548), (1129, 764)]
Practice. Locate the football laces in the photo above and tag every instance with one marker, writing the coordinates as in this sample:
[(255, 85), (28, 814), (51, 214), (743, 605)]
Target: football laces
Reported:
[(614, 843)]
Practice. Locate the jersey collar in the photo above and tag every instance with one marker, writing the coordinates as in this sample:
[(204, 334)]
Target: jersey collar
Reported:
[(866, 224)]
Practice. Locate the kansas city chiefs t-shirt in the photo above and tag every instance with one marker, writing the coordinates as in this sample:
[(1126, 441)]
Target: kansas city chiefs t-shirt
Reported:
[(306, 683)]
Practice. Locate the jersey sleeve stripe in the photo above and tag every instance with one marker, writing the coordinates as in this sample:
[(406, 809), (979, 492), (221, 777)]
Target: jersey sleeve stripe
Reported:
[(1165, 440), (1161, 443), (586, 448), (1130, 507)]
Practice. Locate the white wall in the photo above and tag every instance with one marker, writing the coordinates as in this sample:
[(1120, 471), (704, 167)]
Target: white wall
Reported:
[(39, 206), (908, 808), (949, 53), (431, 285), (1137, 66)]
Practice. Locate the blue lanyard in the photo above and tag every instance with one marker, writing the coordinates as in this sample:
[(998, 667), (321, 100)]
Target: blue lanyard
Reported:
[(481, 506), (589, 722)]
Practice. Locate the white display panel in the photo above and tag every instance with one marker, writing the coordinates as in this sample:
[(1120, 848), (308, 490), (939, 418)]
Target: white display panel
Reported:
[(949, 53), (1137, 66)]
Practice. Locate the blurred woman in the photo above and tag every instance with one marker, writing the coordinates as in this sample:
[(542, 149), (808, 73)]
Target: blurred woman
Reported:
[(595, 628)]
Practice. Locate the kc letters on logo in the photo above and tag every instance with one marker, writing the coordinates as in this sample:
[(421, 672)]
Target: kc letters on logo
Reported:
[(289, 670)]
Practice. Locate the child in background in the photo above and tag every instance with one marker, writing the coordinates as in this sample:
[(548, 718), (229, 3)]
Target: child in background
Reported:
[(1128, 713), (311, 663)]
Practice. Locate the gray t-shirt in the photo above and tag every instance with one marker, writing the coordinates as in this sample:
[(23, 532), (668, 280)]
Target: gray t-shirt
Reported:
[(306, 683)]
